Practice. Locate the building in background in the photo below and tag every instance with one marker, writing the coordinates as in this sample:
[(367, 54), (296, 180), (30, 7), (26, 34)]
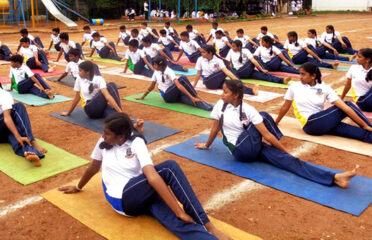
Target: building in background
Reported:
[(337, 5)]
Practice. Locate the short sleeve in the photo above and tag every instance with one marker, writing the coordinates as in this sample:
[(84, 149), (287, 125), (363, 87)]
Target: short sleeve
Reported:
[(286, 44), (323, 37), (97, 151), (221, 64), (349, 73), (181, 46), (276, 50), (34, 48), (337, 34), (141, 151), (142, 53), (253, 115), (72, 44), (101, 82), (211, 32), (195, 44), (302, 43), (127, 54), (289, 95), (270, 35), (247, 53), (257, 52), (157, 47), (77, 87), (171, 74), (228, 57), (216, 112), (153, 78), (104, 40), (10, 73), (331, 95), (6, 101), (28, 71), (198, 65), (68, 67)]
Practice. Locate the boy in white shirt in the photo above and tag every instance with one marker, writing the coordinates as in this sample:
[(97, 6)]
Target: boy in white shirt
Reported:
[(247, 42), (171, 32), (167, 41), (34, 40), (87, 37), (212, 32), (148, 32), (264, 32), (190, 47), (194, 35), (124, 35), (34, 58), (135, 62), (25, 81), (103, 48), (66, 45), (221, 43), (54, 39)]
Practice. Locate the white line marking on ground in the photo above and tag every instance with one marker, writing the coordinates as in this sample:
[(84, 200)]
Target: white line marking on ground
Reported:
[(304, 148), (223, 198), (340, 80), (18, 205)]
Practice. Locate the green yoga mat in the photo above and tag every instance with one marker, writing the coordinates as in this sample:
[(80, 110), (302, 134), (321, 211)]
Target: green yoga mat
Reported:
[(155, 99), (105, 60), (56, 161), (33, 100), (266, 83)]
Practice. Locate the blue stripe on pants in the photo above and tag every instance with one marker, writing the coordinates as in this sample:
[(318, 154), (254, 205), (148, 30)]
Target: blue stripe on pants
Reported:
[(98, 107), (330, 122), (139, 197), (250, 147), (365, 102), (173, 94), (28, 86), (22, 123)]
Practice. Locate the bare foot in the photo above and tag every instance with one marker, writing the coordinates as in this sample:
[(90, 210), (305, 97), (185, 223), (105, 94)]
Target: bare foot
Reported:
[(215, 232), (286, 80), (335, 64), (123, 59), (38, 147), (51, 68), (139, 125), (49, 93), (353, 57), (33, 158), (342, 179), (255, 89)]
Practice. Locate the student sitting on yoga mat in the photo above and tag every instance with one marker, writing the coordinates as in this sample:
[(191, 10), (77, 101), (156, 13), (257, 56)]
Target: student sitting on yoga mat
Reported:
[(174, 89), (66, 45), (34, 40), (124, 35), (54, 39), (340, 43), (25, 81), (244, 64), (167, 41), (359, 78), (271, 57), (243, 128), (73, 65), (103, 48), (135, 61), (5, 52), (98, 98), (318, 46), (214, 71), (133, 186), (308, 98), (34, 58), (190, 47), (15, 128), (151, 50), (246, 40), (222, 43), (299, 51)]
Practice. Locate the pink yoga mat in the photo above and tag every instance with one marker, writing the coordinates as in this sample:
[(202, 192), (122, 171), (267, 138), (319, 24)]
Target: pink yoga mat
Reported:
[(4, 80), (185, 61), (284, 74), (39, 71)]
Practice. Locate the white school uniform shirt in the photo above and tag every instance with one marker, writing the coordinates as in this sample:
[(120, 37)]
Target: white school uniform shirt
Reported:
[(6, 101), (82, 86), (232, 125), (308, 100), (152, 50), (189, 47), (121, 163), (28, 53), (169, 30), (134, 56), (138, 38), (21, 73), (220, 43), (99, 44), (261, 35), (54, 38), (327, 37), (67, 47), (29, 36), (169, 77), (213, 31), (124, 34), (243, 39), (264, 53), (313, 41), (73, 67), (293, 48), (87, 37), (193, 34), (208, 67), (165, 40), (359, 85), (145, 32), (233, 57)]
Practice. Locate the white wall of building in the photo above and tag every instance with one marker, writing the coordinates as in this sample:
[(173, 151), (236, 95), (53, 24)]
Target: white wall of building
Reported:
[(359, 5)]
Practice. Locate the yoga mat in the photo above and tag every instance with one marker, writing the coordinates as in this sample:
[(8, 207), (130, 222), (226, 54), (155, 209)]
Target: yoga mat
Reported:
[(91, 208), (262, 96), (151, 131), (190, 72), (341, 61), (33, 100), (185, 60), (353, 200), (4, 80), (339, 91), (69, 81), (105, 60), (339, 69), (63, 63), (266, 83), (128, 74), (46, 74), (56, 161), (292, 128), (155, 99), (285, 74)]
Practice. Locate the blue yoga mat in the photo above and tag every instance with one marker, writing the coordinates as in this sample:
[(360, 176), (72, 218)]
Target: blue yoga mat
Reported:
[(33, 100), (151, 131), (332, 60), (354, 200)]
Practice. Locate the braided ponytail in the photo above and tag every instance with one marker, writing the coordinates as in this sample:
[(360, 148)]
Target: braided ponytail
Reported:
[(332, 28), (295, 36), (239, 45), (367, 53), (270, 41), (313, 31)]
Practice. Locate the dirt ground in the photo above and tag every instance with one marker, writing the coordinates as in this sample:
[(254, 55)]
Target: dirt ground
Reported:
[(266, 212)]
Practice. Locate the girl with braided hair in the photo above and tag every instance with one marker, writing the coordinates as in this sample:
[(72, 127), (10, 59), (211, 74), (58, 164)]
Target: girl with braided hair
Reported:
[(243, 129), (340, 43)]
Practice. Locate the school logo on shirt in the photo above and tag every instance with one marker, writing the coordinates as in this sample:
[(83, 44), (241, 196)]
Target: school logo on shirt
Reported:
[(129, 153), (319, 91), (244, 117)]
